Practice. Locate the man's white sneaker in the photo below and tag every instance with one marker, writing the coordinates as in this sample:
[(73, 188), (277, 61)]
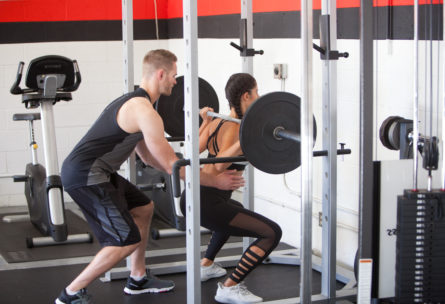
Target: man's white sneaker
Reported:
[(237, 294), (212, 271)]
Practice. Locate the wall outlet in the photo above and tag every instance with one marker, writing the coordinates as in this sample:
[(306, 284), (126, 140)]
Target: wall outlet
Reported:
[(280, 71), (320, 219)]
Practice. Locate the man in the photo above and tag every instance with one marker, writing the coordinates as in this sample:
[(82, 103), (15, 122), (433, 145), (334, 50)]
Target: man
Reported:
[(118, 213)]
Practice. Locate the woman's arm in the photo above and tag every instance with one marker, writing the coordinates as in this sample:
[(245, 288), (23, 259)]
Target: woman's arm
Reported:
[(204, 128)]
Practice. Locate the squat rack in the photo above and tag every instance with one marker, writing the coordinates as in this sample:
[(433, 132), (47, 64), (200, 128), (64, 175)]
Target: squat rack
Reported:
[(328, 261), (329, 143)]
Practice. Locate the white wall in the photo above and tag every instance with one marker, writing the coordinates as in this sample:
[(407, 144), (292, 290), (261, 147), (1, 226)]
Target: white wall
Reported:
[(101, 68), (276, 196)]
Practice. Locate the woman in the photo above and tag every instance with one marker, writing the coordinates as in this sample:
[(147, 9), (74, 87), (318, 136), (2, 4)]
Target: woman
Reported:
[(222, 215)]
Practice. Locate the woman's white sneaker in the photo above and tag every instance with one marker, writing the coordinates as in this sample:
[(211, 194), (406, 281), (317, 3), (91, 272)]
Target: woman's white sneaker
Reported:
[(237, 294), (212, 271)]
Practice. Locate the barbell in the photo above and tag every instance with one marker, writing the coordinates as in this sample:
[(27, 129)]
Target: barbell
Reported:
[(269, 131)]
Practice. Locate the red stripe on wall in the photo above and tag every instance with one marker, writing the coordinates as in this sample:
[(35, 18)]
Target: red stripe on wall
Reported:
[(77, 10), (211, 7), (403, 2)]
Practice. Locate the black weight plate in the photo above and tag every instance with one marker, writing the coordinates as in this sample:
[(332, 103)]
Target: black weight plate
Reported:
[(171, 108), (387, 132), (394, 134), (262, 149)]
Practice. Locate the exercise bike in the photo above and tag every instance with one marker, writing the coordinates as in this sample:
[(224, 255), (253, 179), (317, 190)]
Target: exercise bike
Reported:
[(49, 79)]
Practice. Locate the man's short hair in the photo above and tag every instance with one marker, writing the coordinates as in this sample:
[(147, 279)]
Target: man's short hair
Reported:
[(157, 59)]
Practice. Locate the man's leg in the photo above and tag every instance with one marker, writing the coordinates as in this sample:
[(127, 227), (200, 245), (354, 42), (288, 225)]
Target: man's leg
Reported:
[(142, 217), (141, 281), (104, 206), (104, 260)]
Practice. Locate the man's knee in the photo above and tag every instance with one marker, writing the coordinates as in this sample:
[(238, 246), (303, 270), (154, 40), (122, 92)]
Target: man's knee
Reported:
[(129, 249), (147, 210), (143, 212)]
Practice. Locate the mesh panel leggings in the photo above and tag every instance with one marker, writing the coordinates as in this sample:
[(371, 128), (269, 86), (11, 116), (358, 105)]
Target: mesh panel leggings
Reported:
[(226, 217)]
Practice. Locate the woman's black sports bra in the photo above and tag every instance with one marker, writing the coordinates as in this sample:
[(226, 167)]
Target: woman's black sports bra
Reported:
[(213, 136)]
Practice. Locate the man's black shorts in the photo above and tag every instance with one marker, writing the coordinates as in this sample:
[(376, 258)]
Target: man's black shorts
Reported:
[(106, 207)]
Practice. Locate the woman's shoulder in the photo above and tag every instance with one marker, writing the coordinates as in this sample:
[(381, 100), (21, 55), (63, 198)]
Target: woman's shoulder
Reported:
[(230, 125), (229, 129)]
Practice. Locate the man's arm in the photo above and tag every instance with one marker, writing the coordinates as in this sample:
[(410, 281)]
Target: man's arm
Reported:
[(145, 155), (161, 151), (140, 117), (156, 148), (137, 115)]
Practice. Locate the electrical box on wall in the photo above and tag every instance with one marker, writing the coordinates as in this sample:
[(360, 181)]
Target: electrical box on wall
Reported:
[(280, 71)]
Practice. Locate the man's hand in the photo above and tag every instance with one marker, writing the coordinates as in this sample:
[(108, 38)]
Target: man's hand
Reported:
[(229, 180)]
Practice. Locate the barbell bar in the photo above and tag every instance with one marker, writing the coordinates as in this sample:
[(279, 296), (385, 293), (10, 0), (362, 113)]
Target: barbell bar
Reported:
[(269, 135), (225, 117), (269, 131), (151, 187), (176, 183), (279, 132)]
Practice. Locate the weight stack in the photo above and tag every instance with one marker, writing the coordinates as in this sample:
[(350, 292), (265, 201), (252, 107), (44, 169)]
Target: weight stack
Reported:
[(420, 248)]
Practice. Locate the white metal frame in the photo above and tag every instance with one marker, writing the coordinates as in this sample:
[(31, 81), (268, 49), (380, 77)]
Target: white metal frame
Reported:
[(191, 105), (128, 67), (329, 133), (128, 83), (308, 262), (306, 152), (247, 67), (443, 97), (416, 94)]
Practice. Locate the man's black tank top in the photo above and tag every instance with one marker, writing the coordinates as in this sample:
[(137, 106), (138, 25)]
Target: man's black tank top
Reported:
[(103, 149)]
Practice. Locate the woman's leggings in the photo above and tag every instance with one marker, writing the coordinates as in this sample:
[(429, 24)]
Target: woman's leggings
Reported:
[(226, 217)]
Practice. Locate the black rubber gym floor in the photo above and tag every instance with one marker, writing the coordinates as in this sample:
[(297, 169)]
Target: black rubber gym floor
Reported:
[(13, 241), (42, 284)]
